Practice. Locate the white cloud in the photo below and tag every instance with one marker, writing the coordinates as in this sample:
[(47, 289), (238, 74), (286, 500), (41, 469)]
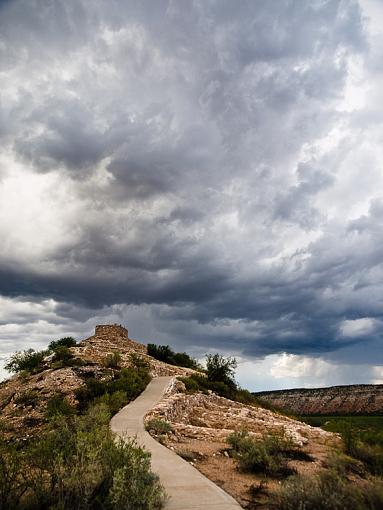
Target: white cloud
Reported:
[(377, 372), (299, 367), (357, 327)]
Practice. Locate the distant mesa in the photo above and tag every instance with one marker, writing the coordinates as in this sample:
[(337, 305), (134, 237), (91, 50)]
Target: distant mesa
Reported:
[(359, 399)]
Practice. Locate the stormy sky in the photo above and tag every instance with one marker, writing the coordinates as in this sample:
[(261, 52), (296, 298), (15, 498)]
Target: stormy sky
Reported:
[(207, 172)]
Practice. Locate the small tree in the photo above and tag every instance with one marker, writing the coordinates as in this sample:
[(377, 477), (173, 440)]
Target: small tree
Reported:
[(28, 360), (160, 352), (220, 369), (67, 341)]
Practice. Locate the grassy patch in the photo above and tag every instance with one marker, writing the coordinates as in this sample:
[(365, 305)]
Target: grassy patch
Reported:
[(328, 491), (373, 424), (268, 455), (362, 437)]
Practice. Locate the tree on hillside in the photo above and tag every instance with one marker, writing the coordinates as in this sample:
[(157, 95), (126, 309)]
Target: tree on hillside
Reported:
[(67, 341), (28, 360), (220, 369)]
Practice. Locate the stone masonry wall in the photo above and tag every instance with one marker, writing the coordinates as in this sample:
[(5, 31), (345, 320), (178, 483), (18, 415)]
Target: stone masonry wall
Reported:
[(111, 330)]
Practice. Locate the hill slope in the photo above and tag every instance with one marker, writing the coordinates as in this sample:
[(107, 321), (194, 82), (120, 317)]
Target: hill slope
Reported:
[(24, 398)]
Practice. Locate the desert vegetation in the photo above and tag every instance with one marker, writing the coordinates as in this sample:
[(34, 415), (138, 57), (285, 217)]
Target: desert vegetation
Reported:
[(219, 377), (74, 462), (345, 480), (328, 490), (30, 361), (269, 454), (167, 355), (77, 464), (115, 390), (351, 478)]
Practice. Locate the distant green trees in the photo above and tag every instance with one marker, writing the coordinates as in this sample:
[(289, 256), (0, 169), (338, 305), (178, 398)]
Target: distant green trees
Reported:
[(66, 341), (167, 355)]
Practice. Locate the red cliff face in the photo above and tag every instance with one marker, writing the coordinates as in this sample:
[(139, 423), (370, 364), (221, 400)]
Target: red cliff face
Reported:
[(353, 399)]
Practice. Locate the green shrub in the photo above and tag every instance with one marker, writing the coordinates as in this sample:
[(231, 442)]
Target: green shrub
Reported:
[(370, 453), (158, 426), (223, 389), (268, 455), (219, 379), (191, 385), (115, 401), (238, 439), (58, 406), (78, 464), (373, 494), (67, 341), (199, 382), (62, 357), (139, 362), (113, 360), (362, 437), (27, 398), (344, 464), (130, 381), (28, 361), (327, 491), (186, 455), (134, 486), (12, 483), (182, 359)]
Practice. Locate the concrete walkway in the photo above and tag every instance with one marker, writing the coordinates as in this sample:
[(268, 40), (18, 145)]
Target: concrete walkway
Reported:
[(186, 487)]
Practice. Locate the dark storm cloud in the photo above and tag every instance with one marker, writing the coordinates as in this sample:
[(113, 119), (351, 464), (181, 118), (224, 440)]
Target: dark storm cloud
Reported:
[(69, 137), (183, 135)]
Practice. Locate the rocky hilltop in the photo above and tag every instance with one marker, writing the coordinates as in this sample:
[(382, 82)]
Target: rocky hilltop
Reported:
[(360, 399), (24, 398)]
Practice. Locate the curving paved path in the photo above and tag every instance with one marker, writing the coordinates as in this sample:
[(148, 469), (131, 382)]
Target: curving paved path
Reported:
[(186, 487)]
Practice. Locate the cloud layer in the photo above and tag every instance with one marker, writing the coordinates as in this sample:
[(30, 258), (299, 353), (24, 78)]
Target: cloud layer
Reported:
[(209, 172)]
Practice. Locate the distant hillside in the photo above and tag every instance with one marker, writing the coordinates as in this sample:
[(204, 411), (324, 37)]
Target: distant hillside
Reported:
[(336, 400)]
